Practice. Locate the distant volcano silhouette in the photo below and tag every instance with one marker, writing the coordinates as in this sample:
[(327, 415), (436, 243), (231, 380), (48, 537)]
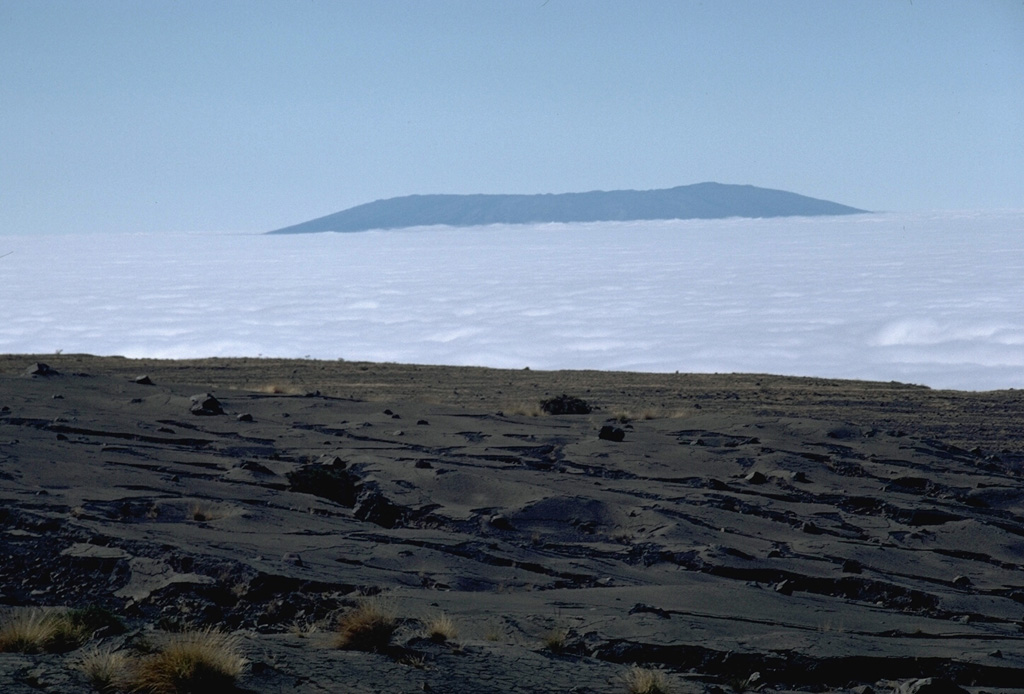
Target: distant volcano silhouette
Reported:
[(698, 201)]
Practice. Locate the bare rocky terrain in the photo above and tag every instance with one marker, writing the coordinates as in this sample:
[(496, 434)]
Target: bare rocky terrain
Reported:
[(737, 532)]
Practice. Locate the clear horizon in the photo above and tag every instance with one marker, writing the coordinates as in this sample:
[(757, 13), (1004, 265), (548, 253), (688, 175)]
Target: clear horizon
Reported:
[(250, 116)]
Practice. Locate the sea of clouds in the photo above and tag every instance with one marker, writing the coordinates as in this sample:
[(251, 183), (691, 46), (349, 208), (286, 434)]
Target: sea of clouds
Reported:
[(934, 299)]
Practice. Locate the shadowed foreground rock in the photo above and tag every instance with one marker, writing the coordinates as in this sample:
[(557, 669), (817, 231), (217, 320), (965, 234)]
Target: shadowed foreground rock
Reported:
[(731, 548)]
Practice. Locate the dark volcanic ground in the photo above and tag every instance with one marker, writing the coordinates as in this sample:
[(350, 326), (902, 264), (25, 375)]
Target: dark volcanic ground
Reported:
[(748, 531)]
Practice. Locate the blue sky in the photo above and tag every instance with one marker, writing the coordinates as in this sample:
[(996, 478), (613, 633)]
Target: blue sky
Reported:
[(247, 116)]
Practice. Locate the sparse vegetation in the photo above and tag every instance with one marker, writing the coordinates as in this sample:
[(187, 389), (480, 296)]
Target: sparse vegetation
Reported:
[(494, 633), (565, 404), (368, 627), (279, 389), (556, 640), (643, 681), (94, 619), (520, 409), (417, 661), (106, 670), (303, 629), (441, 628), (204, 512), (623, 537), (625, 416), (36, 631), (198, 661)]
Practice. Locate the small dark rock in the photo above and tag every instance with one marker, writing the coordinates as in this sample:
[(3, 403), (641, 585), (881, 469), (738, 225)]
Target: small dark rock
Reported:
[(253, 466), (610, 433), (292, 558), (331, 481), (373, 507), (144, 381), (423, 464), (844, 431), (756, 477), (244, 417), (649, 609), (501, 522), (851, 566), (784, 587), (41, 369), (565, 404), (811, 528), (422, 422), (962, 582), (205, 404)]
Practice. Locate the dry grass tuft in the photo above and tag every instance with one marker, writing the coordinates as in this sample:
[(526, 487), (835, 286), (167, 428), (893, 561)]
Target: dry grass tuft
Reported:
[(521, 409), (648, 413), (36, 631), (642, 681), (417, 661), (205, 512), (106, 670), (494, 633), (441, 628), (556, 640), (368, 627), (198, 661), (279, 389), (303, 629)]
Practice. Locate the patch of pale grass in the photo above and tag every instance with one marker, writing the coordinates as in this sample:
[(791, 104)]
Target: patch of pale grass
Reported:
[(279, 389), (417, 661), (643, 681), (494, 633), (303, 629), (623, 537), (523, 409), (648, 413), (367, 627), (107, 670), (556, 639), (36, 631), (441, 628), (203, 512), (197, 661)]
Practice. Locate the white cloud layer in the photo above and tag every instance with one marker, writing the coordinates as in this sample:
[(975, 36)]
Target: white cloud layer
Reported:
[(931, 299)]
